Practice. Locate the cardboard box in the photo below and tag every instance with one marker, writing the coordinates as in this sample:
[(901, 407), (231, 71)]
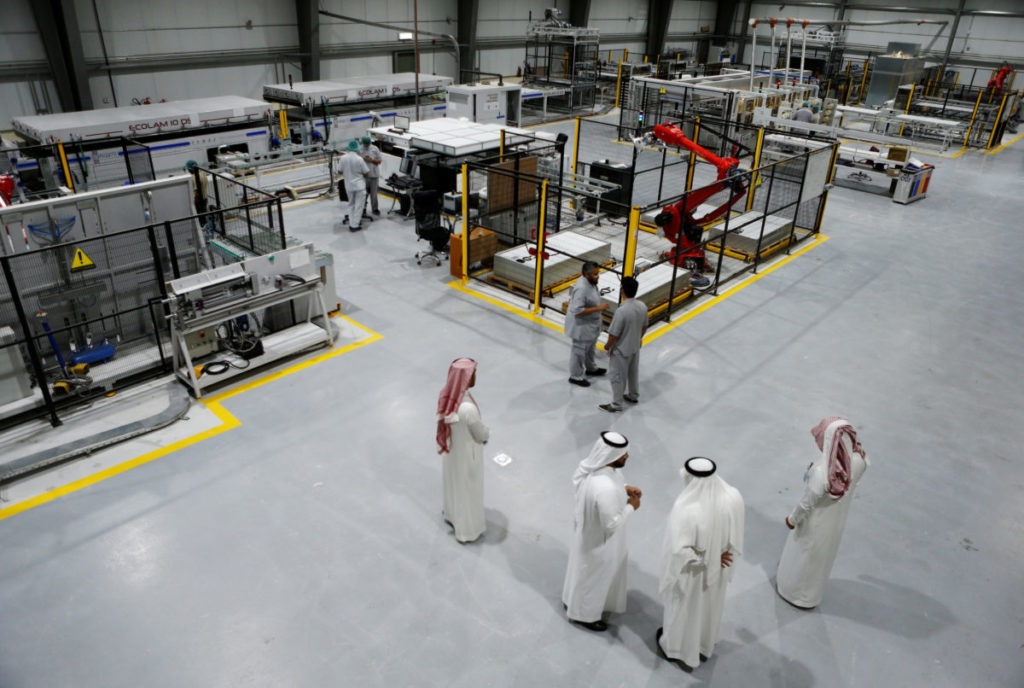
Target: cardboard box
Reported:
[(483, 244)]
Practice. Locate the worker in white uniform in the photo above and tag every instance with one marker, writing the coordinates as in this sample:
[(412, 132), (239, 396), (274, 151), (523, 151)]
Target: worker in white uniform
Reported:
[(583, 324), (816, 524), (703, 536), (625, 336), (461, 435), (353, 170), (595, 581), (371, 156)]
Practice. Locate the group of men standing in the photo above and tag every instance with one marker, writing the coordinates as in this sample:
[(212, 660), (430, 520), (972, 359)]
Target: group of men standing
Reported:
[(583, 324), (359, 169), (704, 532), (703, 535)]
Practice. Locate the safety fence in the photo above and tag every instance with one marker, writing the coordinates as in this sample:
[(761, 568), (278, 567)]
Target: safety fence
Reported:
[(679, 245), (82, 315)]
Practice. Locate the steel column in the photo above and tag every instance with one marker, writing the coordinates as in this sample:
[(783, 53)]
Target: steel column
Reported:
[(307, 21), (61, 37)]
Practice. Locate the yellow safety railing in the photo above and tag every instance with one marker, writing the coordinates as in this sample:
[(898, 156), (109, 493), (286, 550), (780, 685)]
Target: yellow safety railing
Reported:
[(576, 146), (693, 156), (755, 179), (974, 114), (995, 123), (64, 166), (632, 234), (465, 223), (282, 119), (541, 236)]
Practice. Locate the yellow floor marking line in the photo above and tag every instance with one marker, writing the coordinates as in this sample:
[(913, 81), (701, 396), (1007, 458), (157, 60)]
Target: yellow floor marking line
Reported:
[(1006, 145), (688, 315), (459, 286), (214, 404), (812, 243)]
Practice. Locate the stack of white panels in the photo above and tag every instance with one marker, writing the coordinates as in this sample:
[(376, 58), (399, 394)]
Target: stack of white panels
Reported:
[(566, 253), (654, 286), (745, 230)]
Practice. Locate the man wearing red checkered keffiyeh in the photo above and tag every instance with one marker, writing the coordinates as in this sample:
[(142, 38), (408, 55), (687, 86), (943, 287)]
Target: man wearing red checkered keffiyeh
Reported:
[(816, 524)]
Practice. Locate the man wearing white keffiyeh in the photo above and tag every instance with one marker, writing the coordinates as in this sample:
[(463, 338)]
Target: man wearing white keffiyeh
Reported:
[(704, 533), (816, 524), (595, 581)]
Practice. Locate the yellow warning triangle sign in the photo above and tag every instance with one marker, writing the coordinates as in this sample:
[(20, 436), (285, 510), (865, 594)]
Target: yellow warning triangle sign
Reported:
[(81, 261)]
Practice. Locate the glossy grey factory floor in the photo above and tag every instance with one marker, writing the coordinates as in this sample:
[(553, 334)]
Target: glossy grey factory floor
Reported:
[(305, 546)]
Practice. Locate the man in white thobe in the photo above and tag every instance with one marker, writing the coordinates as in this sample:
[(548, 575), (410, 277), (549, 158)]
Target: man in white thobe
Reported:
[(461, 435), (583, 324), (625, 337), (353, 170), (595, 581), (704, 534), (816, 524)]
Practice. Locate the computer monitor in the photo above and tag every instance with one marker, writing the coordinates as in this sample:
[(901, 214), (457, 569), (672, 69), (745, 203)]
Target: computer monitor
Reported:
[(408, 165), (402, 122)]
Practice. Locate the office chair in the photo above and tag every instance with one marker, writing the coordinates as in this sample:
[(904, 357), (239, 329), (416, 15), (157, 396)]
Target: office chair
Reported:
[(427, 209)]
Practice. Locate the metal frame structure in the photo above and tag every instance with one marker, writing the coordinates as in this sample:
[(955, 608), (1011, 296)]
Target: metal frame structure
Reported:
[(563, 60), (782, 206)]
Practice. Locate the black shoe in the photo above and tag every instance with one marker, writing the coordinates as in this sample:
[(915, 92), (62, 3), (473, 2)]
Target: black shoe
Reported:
[(596, 626), (355, 228), (376, 212), (581, 383), (597, 372), (611, 408), (632, 400), (661, 653), (344, 220)]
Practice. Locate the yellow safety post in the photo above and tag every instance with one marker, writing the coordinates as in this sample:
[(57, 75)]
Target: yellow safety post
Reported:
[(541, 235), (693, 156), (910, 99), (625, 54), (995, 123), (824, 196), (863, 80), (576, 146), (64, 166), (755, 179), (618, 84), (629, 260), (465, 223), (645, 59), (501, 147), (970, 125), (956, 79), (609, 54), (282, 118), (677, 57)]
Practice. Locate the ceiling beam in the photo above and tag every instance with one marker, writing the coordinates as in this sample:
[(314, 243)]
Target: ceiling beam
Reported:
[(61, 37)]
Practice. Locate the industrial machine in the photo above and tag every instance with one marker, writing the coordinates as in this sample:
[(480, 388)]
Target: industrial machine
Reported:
[(172, 133), (681, 217), (246, 314), (485, 103)]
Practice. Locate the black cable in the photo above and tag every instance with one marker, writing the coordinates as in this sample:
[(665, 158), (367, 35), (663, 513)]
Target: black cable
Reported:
[(221, 367)]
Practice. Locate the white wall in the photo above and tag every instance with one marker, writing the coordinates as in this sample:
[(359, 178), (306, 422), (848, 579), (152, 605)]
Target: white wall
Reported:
[(987, 38)]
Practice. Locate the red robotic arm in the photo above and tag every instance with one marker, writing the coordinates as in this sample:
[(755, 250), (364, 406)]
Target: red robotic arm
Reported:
[(679, 216)]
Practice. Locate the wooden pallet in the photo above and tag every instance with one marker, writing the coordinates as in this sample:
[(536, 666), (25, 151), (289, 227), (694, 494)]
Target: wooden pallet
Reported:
[(550, 290)]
